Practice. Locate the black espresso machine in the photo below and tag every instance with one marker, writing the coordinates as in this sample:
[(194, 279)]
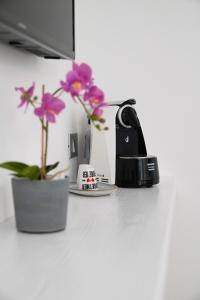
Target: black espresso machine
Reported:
[(119, 155)]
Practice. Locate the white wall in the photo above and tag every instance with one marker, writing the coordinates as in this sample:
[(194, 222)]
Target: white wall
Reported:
[(138, 48), (150, 50)]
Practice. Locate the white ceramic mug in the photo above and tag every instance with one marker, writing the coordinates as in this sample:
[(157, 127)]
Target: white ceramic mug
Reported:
[(86, 179)]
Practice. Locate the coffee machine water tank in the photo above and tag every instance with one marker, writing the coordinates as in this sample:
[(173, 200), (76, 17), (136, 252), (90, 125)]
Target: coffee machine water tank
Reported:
[(119, 155)]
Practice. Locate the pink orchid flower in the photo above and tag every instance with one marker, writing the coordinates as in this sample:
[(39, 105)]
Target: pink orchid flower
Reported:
[(50, 107), (94, 96), (98, 110), (78, 79), (26, 94)]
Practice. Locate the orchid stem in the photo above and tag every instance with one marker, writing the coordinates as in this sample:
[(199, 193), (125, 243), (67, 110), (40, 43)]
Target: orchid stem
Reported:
[(56, 91), (88, 113), (84, 107), (42, 150), (46, 145)]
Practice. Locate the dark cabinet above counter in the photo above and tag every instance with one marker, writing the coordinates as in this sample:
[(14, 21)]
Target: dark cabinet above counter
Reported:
[(45, 28)]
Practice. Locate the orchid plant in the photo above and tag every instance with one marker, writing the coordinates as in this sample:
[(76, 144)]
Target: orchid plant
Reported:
[(79, 83)]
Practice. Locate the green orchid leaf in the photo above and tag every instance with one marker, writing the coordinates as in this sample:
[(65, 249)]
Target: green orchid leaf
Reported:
[(30, 172), (22, 170), (13, 166), (51, 167), (16, 175)]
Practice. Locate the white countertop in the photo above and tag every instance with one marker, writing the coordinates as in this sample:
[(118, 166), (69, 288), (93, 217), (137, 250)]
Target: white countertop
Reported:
[(114, 248)]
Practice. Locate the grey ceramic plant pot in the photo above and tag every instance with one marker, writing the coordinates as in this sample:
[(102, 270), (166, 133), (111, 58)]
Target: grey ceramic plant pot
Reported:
[(40, 205)]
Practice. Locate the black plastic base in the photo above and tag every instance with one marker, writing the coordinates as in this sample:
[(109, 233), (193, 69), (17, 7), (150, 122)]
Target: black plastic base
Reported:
[(135, 172), (140, 184)]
